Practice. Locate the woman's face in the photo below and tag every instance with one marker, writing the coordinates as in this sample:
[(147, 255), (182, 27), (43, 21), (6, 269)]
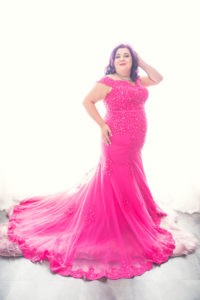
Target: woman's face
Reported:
[(123, 60)]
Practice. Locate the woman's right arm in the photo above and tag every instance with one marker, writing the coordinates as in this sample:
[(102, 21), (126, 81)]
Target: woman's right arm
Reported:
[(97, 93)]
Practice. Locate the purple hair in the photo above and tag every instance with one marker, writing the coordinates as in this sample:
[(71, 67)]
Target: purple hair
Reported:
[(110, 69)]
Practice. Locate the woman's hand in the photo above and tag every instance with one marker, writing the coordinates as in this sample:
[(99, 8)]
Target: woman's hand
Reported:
[(154, 77), (106, 134)]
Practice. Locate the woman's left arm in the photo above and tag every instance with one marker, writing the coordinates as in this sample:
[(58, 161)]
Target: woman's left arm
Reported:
[(154, 77)]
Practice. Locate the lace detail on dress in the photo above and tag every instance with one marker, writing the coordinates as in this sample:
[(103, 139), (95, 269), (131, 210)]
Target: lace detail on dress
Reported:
[(70, 211), (109, 225), (107, 165), (90, 216)]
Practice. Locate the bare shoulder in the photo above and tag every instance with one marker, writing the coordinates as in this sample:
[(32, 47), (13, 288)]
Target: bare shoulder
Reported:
[(97, 92)]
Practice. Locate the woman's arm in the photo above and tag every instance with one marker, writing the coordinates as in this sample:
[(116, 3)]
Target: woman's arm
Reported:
[(98, 92), (154, 77)]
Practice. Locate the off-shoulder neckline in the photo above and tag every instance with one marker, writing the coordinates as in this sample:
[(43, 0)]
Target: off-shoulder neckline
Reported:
[(121, 80)]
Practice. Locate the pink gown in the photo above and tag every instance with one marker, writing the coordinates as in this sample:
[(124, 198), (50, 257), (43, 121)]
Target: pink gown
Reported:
[(110, 224)]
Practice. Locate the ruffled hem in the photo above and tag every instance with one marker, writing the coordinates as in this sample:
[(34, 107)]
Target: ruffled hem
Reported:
[(154, 256), (127, 271)]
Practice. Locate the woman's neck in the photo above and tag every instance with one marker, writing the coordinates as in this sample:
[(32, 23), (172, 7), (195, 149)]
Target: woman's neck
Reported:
[(124, 76)]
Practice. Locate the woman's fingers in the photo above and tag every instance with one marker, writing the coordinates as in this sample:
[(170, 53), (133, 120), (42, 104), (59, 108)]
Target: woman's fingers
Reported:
[(107, 139), (109, 131), (106, 135)]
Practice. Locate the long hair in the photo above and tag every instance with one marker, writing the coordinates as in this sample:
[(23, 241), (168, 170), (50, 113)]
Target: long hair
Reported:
[(110, 69)]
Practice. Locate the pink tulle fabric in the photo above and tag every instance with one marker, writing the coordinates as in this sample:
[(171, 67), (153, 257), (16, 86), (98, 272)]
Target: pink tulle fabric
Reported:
[(110, 224)]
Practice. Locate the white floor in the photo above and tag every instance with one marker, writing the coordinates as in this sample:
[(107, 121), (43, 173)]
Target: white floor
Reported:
[(177, 279)]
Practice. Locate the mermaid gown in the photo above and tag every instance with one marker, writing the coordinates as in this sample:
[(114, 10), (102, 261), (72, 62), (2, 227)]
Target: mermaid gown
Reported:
[(109, 225)]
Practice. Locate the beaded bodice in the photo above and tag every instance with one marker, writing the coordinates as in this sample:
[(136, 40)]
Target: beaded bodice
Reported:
[(125, 112), (124, 95)]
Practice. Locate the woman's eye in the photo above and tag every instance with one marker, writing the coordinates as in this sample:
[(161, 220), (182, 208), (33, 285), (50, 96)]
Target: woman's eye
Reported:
[(125, 55)]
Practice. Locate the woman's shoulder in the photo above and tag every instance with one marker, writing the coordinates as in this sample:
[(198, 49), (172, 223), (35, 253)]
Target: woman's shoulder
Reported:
[(107, 79)]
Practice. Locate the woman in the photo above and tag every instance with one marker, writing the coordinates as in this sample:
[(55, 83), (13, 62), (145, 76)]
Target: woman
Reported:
[(110, 225)]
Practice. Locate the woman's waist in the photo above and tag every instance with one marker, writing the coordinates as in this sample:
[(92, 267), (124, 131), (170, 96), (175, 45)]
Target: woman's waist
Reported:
[(124, 113)]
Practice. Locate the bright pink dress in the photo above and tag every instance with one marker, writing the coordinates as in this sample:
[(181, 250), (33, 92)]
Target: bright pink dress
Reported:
[(109, 225)]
